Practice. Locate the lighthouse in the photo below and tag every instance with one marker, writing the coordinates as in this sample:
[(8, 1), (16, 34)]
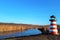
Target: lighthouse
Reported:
[(53, 26)]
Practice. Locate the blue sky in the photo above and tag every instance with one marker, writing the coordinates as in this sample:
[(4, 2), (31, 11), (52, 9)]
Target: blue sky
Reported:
[(29, 11)]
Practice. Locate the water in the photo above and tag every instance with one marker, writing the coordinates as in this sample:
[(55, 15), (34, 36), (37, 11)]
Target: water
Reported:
[(24, 33), (31, 32)]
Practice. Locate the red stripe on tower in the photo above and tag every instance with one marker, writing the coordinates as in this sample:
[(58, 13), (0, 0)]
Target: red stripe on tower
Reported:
[(53, 27)]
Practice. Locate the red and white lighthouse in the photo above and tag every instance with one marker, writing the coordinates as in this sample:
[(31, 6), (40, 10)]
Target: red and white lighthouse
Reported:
[(53, 26)]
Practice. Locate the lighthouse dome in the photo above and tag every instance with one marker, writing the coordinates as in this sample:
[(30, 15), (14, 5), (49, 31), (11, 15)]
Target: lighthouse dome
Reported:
[(52, 16)]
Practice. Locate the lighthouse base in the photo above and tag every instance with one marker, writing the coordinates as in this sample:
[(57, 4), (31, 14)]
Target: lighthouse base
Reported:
[(54, 33)]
